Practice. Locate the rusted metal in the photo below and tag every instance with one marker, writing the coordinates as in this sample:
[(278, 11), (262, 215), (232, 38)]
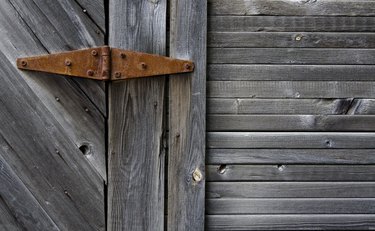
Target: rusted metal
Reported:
[(105, 63)]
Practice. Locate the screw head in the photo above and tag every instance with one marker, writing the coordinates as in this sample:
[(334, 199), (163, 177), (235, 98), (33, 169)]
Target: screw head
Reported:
[(123, 55), (68, 62), (298, 37), (94, 52), (187, 66), (117, 74), (24, 63), (143, 65), (197, 175), (90, 72)]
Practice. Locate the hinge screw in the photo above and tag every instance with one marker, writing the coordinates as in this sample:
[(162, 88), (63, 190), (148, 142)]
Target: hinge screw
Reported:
[(187, 66), (68, 62), (117, 74), (143, 66), (94, 53), (90, 72), (24, 63), (123, 55)]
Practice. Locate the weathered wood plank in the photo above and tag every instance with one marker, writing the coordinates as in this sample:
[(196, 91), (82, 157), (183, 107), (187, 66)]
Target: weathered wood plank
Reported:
[(357, 140), (291, 40), (95, 10), (282, 172), (292, 7), (136, 152), (290, 72), (80, 116), (290, 206), (223, 190), (290, 89), (288, 106), (290, 24), (187, 103), (290, 222), (290, 56), (24, 211), (290, 156), (315, 123)]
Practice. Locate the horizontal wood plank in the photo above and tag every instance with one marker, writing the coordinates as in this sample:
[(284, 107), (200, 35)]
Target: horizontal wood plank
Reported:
[(283, 172), (291, 39), (290, 156), (286, 106), (286, 72), (290, 56), (290, 24), (357, 140), (290, 89), (292, 7), (290, 123), (290, 222), (223, 190), (290, 206)]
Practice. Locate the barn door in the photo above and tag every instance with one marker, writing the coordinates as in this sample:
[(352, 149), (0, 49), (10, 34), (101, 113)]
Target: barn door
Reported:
[(290, 123)]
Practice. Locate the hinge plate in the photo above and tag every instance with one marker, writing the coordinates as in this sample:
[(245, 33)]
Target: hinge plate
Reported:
[(105, 63)]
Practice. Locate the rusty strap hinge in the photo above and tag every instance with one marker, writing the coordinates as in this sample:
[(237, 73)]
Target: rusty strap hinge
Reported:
[(105, 63)]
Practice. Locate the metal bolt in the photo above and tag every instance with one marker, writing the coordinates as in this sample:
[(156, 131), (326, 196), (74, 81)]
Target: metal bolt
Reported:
[(123, 55), (197, 175), (57, 99), (94, 53), (187, 66), (86, 109), (23, 63), (90, 72), (298, 37), (143, 66), (117, 74), (84, 10), (68, 62)]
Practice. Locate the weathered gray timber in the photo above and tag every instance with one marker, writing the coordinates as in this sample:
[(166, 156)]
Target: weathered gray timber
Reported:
[(187, 103), (216, 190), (136, 153), (292, 7), (285, 72), (290, 156), (290, 24), (52, 132), (287, 222)]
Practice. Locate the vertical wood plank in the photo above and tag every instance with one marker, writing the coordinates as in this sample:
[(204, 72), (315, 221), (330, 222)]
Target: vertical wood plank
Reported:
[(186, 159), (136, 155)]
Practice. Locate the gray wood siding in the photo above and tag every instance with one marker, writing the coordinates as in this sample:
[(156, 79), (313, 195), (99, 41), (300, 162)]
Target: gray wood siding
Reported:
[(290, 115)]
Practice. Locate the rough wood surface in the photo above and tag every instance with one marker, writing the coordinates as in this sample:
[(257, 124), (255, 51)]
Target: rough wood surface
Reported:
[(292, 7), (46, 119), (337, 123), (216, 190), (287, 222), (283, 172), (95, 10), (290, 156), (291, 89), (136, 152), (187, 105), (291, 39), (290, 24), (291, 206), (290, 72)]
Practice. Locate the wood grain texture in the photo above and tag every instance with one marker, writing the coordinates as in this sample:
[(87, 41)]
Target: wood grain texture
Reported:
[(285, 72), (291, 40), (44, 122), (7, 221), (293, 221), (283, 172), (78, 107), (187, 103), (136, 152), (314, 123), (290, 24), (291, 89), (95, 10), (290, 56), (291, 206), (242, 106), (290, 156), (347, 140), (223, 190), (292, 7)]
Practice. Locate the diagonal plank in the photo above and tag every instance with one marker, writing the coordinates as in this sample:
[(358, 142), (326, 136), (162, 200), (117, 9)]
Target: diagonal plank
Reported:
[(79, 115)]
